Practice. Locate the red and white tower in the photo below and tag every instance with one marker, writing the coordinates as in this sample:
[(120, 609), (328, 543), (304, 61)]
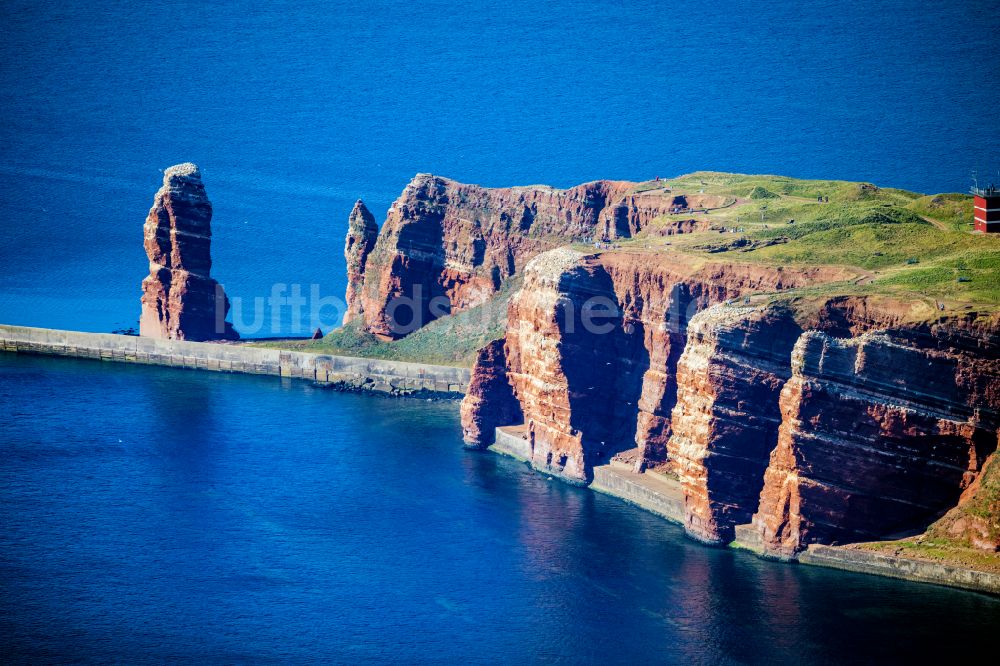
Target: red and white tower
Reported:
[(986, 209)]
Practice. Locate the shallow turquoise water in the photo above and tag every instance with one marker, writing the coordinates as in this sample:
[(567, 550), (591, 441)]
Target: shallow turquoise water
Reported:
[(158, 514)]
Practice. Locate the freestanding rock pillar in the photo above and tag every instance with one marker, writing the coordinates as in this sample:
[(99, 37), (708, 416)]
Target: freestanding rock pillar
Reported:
[(180, 300)]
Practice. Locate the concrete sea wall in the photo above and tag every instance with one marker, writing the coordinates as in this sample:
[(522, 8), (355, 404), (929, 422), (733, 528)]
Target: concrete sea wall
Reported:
[(511, 441), (656, 494), (393, 377), (853, 559)]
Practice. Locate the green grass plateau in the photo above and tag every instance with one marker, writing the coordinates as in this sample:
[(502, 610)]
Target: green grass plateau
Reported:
[(914, 246)]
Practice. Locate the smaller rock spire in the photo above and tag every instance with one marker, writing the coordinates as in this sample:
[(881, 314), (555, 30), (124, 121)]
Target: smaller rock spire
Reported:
[(362, 232)]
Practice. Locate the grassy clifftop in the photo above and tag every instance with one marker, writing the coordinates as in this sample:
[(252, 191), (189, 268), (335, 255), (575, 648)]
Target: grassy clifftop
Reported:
[(911, 245)]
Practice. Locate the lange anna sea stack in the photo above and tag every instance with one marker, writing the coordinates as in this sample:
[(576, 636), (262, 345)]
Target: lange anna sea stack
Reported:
[(180, 300)]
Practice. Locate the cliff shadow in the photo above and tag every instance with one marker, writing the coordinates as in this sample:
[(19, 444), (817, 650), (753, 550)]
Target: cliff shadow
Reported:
[(632, 361), (421, 295), (604, 360), (664, 344)]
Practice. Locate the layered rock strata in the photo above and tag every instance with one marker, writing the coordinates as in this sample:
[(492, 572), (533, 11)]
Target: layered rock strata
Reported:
[(819, 419), (564, 371), (180, 300), (592, 346), (877, 438), (726, 418), (658, 295), (447, 246)]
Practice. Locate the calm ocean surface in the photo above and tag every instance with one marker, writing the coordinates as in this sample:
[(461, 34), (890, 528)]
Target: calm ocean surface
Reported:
[(295, 109), (150, 515), (156, 514)]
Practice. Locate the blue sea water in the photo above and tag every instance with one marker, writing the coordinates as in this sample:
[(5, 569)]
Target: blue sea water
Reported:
[(154, 515), (295, 109)]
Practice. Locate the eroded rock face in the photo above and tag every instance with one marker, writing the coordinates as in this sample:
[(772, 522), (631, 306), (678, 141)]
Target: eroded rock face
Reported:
[(657, 300), (362, 231), (557, 366), (725, 421), (446, 246), (877, 438), (588, 392), (489, 402), (180, 300), (658, 296)]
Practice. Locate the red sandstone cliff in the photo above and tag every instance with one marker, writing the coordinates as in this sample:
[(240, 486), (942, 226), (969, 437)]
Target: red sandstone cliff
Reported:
[(449, 246), (726, 417), (822, 419), (562, 371), (489, 402), (180, 300), (658, 295), (798, 415)]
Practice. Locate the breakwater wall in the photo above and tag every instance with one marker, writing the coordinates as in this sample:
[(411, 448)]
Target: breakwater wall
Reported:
[(391, 377)]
